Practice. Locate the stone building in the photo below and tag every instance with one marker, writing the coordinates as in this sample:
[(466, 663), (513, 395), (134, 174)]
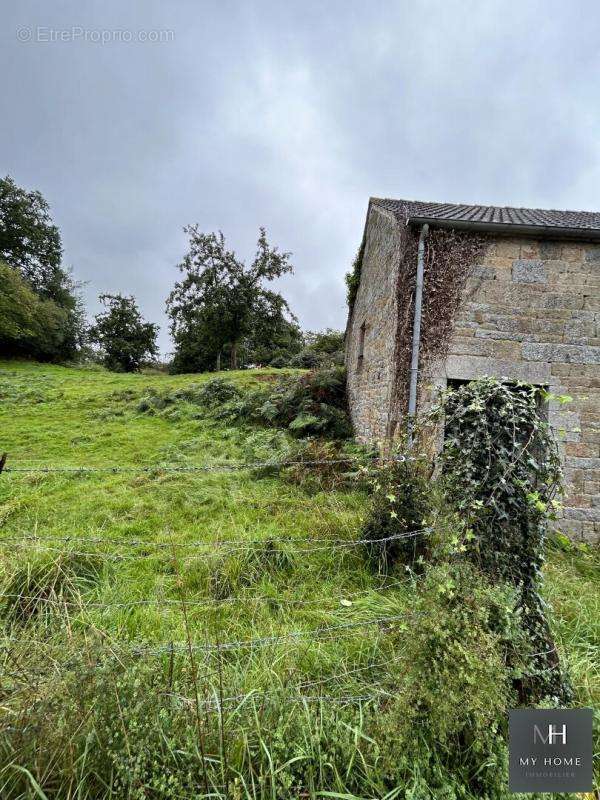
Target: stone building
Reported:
[(519, 300)]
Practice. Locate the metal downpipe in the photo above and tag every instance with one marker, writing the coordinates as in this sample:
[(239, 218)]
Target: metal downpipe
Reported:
[(416, 337)]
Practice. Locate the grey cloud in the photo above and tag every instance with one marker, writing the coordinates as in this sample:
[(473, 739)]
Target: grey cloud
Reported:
[(291, 116)]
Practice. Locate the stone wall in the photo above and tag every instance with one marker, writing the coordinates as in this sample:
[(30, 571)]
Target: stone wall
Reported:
[(532, 312), (370, 378)]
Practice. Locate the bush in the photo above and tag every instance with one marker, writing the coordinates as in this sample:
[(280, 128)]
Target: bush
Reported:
[(216, 392), (306, 359), (31, 325), (444, 733), (280, 362), (503, 474), (402, 504), (312, 405)]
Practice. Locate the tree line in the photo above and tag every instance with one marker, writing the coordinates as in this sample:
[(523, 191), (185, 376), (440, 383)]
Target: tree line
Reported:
[(223, 312)]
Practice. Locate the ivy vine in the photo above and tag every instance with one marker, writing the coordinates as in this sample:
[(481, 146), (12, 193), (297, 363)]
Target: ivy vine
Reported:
[(503, 474), (450, 258)]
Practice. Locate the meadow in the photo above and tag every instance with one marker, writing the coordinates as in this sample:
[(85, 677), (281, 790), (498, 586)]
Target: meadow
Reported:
[(165, 607)]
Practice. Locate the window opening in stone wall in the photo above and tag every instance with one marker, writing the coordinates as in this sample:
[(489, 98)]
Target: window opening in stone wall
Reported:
[(361, 346)]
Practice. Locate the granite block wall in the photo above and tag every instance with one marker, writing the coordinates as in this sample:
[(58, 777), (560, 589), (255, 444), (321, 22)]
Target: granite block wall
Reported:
[(531, 311), (371, 373)]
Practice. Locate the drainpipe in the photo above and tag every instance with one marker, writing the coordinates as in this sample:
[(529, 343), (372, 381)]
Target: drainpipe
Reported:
[(416, 337)]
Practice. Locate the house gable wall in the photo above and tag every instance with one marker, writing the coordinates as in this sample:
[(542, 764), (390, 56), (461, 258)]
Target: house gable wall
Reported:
[(371, 372)]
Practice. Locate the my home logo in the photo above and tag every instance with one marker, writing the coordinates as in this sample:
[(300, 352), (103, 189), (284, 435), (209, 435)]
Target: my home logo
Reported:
[(550, 750), (553, 734)]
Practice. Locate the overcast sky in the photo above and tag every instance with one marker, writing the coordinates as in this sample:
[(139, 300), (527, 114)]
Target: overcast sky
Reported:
[(288, 115)]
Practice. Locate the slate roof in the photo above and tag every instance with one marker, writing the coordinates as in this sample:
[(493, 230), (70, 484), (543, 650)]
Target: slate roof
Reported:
[(493, 217)]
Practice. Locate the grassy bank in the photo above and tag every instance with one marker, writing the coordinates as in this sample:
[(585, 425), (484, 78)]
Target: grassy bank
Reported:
[(156, 619)]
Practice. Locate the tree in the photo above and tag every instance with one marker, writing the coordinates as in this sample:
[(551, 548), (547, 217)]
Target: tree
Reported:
[(29, 241), (30, 244), (221, 302), (328, 341), (125, 339), (323, 349), (272, 335), (30, 325)]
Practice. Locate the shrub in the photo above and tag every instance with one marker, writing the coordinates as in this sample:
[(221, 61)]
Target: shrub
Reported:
[(306, 359), (280, 362), (312, 405), (31, 325), (353, 277), (216, 392), (444, 733), (401, 505), (151, 403)]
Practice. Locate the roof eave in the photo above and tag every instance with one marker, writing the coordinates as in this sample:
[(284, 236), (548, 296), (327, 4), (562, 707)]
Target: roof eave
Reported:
[(547, 231)]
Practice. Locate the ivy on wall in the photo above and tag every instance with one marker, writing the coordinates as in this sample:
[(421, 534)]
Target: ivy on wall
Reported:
[(503, 475), (353, 277), (450, 257)]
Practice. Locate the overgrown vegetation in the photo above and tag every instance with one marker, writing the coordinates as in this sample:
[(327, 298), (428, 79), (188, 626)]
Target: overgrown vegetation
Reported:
[(400, 512), (499, 478), (321, 350), (358, 683), (505, 480), (312, 404), (450, 259), (353, 277)]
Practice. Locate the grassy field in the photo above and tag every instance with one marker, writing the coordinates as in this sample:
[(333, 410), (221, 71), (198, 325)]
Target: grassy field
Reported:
[(200, 563)]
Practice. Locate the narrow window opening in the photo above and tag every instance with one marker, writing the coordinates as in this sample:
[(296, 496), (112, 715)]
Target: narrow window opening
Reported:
[(361, 346)]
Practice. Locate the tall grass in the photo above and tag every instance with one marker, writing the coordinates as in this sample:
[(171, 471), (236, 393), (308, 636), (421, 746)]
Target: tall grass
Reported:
[(88, 709)]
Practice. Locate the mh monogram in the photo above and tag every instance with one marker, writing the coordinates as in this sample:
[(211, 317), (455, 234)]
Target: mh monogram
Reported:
[(553, 736)]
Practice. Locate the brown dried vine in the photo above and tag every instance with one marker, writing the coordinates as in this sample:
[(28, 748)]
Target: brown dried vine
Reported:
[(450, 257)]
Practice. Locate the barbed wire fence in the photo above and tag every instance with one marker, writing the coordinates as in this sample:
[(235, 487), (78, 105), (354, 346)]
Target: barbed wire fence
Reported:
[(104, 548), (300, 546)]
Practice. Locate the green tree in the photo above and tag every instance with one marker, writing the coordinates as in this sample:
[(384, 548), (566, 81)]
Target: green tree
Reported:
[(272, 335), (221, 302), (30, 244), (323, 349), (30, 325), (328, 341), (29, 241), (125, 339)]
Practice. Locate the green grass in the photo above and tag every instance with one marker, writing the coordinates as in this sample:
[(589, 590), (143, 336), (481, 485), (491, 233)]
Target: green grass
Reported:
[(119, 595), (55, 416)]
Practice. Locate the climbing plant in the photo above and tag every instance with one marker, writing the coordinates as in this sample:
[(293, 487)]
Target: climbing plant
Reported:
[(502, 471), (450, 259), (353, 277)]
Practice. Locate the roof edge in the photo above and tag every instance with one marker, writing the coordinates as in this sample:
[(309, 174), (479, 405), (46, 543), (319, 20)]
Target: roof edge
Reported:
[(547, 231)]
